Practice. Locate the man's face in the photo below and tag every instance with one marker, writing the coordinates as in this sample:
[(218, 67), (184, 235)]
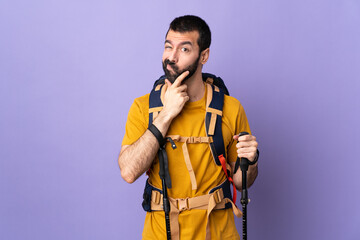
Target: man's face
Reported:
[(181, 53)]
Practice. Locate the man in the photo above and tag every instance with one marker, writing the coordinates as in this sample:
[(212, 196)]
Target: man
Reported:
[(193, 171)]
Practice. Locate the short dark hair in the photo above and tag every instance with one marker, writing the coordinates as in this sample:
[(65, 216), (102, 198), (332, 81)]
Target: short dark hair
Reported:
[(189, 23)]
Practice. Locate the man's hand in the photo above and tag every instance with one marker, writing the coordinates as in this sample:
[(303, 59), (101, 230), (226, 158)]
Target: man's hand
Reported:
[(175, 96), (246, 146)]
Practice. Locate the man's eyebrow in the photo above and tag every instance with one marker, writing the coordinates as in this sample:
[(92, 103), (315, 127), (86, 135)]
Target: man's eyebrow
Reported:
[(186, 42), (182, 43)]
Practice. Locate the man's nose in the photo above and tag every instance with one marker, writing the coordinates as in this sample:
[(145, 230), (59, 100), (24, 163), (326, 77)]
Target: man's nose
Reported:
[(173, 57)]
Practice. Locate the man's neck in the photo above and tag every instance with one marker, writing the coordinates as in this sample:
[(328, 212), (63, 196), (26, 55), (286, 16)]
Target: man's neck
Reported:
[(196, 88)]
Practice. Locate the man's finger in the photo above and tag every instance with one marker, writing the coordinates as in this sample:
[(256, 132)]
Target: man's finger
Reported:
[(180, 78), (167, 82), (246, 138), (239, 138), (244, 144)]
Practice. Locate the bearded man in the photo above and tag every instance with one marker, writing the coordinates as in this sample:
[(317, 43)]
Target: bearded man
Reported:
[(204, 142)]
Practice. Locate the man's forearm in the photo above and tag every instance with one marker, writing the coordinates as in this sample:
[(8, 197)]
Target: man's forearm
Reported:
[(251, 176), (137, 158)]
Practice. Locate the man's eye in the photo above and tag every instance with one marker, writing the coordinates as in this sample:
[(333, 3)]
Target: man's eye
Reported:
[(167, 47), (184, 49)]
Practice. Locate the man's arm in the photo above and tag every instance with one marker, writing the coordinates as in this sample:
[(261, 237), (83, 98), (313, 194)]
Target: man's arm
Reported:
[(246, 147), (137, 158)]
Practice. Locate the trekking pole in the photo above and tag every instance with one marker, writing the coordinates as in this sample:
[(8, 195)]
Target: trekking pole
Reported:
[(166, 203), (244, 166), (164, 173)]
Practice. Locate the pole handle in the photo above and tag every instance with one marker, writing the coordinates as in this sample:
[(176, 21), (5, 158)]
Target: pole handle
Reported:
[(244, 162)]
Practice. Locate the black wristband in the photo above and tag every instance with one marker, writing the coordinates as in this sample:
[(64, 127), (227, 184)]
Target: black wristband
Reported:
[(256, 158), (155, 131)]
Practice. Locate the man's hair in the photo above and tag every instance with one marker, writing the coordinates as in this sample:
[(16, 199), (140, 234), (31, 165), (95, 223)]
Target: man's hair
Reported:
[(189, 23)]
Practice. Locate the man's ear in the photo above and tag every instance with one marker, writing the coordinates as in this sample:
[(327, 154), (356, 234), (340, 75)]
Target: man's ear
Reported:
[(204, 56)]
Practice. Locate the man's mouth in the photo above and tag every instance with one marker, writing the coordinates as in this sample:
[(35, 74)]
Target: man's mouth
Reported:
[(169, 67)]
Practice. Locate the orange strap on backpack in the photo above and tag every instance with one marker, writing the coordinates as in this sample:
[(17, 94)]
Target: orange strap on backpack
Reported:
[(223, 165)]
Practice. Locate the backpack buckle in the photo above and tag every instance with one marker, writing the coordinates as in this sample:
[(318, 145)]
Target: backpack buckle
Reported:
[(156, 197), (218, 195), (194, 139), (182, 204)]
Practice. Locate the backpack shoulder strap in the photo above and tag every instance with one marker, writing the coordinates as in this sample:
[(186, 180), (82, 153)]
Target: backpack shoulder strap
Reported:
[(156, 99), (213, 124), (213, 121)]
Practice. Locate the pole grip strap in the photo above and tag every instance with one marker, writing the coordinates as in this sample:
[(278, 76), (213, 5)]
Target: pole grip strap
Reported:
[(155, 131)]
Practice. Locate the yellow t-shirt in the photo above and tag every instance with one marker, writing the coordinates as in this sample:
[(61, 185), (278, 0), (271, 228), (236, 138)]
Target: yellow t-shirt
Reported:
[(190, 122)]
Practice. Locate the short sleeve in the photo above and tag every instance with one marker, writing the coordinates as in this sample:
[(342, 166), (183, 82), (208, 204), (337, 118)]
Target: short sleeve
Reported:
[(241, 125), (137, 120)]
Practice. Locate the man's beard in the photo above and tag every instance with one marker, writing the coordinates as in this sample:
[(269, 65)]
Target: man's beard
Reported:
[(173, 76)]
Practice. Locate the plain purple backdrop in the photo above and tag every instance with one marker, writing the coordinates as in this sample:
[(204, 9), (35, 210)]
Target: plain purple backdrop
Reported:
[(70, 70)]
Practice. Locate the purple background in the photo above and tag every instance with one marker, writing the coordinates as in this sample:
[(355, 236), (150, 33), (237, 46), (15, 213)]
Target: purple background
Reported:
[(70, 70)]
